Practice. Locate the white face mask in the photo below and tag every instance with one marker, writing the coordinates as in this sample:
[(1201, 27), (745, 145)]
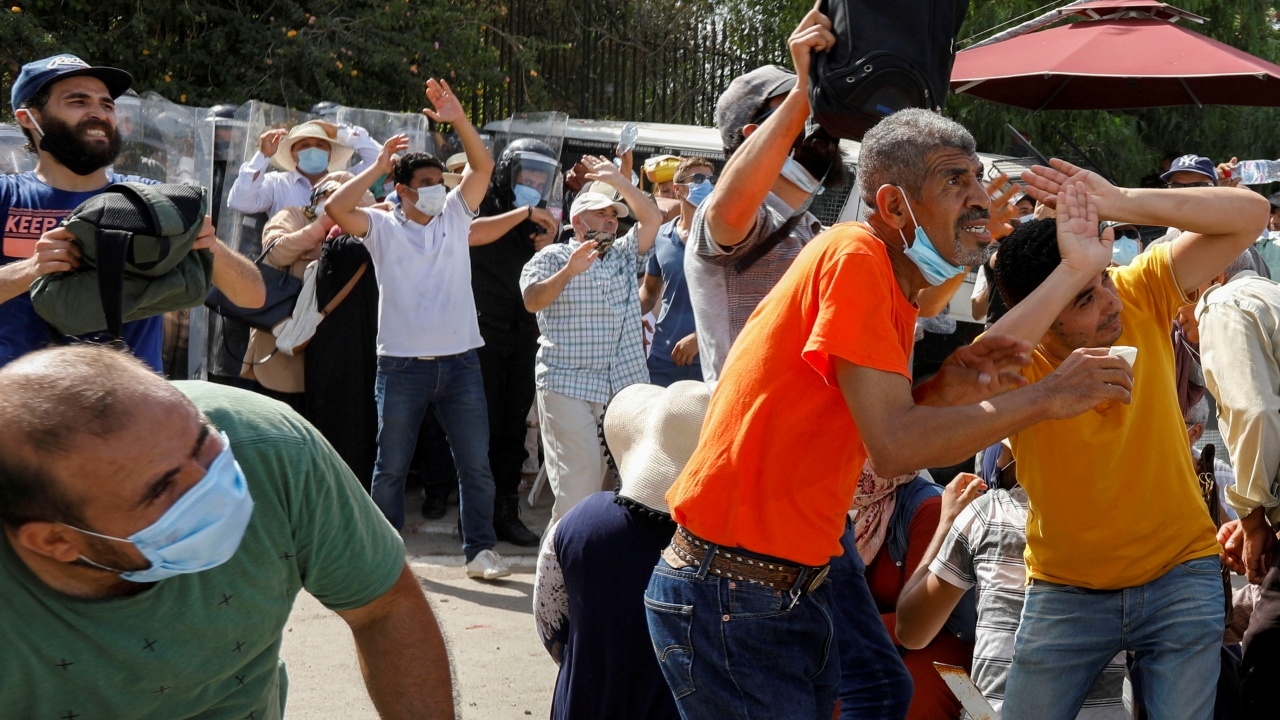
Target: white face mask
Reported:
[(431, 200)]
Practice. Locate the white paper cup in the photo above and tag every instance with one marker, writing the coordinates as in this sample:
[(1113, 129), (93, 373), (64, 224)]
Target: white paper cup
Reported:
[(1128, 352)]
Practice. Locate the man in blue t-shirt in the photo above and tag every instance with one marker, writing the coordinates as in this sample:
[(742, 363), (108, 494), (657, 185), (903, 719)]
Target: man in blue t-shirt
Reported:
[(66, 109), (673, 354)]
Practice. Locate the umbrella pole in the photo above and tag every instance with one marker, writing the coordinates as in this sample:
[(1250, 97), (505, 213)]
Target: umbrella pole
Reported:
[(1051, 97), (1097, 166), (1187, 87)]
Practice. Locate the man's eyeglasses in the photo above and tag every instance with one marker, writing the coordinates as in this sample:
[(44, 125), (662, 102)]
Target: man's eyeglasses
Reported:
[(698, 178), (1181, 186)]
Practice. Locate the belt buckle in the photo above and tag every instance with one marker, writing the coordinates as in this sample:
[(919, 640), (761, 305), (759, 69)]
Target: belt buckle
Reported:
[(813, 585)]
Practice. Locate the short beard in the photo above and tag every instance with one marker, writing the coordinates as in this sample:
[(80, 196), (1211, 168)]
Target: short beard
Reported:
[(70, 141), (963, 255), (107, 554)]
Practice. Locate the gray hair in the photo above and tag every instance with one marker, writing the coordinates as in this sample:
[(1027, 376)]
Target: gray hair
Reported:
[(1244, 261), (1198, 414), (895, 151)]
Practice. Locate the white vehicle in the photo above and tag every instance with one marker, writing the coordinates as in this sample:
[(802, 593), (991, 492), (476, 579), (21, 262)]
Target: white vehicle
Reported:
[(835, 205)]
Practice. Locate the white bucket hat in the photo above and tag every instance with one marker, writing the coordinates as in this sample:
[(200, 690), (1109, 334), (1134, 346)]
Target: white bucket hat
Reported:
[(652, 432), (339, 152)]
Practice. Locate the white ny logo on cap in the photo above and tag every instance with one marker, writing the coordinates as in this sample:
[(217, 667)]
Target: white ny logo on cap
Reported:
[(62, 61)]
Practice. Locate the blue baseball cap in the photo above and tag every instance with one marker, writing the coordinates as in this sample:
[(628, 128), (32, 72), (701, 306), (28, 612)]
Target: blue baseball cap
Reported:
[(36, 75), (1195, 164)]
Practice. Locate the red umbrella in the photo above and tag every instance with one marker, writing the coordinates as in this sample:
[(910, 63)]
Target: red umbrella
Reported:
[(1134, 56)]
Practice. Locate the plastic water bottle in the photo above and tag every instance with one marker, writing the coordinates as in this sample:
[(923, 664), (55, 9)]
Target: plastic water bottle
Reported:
[(1258, 172)]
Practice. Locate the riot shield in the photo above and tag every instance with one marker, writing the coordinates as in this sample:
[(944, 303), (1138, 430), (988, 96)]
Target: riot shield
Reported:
[(13, 156), (237, 140), (548, 129), (188, 157), (382, 125)]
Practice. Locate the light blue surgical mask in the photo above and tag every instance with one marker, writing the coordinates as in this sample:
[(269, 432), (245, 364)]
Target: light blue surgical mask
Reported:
[(527, 196), (201, 531), (699, 192), (313, 160), (1124, 250), (934, 267), (795, 172)]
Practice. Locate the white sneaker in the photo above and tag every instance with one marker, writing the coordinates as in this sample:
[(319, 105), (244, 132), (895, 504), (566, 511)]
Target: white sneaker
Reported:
[(487, 565)]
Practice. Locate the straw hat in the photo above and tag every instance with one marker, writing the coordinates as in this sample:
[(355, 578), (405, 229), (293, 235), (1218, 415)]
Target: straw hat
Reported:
[(652, 432), (339, 152)]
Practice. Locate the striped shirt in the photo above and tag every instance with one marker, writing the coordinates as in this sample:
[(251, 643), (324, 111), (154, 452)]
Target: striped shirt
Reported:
[(984, 549), (591, 345), (723, 297)]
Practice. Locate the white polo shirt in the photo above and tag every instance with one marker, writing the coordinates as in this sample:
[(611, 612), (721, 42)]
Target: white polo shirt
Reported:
[(425, 304)]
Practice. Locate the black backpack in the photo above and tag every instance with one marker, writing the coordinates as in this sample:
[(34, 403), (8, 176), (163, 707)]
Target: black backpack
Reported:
[(888, 56)]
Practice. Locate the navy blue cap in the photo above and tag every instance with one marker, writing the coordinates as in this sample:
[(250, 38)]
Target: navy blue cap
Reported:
[(35, 75), (1195, 164)]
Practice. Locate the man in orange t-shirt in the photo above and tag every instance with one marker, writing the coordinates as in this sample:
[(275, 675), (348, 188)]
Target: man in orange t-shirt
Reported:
[(818, 379)]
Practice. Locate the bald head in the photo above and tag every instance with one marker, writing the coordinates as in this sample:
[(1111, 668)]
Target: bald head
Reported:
[(53, 399)]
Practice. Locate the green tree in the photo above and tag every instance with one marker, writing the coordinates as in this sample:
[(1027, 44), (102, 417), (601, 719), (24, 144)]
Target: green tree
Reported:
[(362, 53)]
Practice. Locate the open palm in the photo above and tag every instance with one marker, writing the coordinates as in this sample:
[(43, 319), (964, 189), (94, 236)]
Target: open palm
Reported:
[(1079, 243)]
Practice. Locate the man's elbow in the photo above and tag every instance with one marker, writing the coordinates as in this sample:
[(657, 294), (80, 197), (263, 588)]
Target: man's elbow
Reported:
[(909, 634), (887, 462), (529, 304)]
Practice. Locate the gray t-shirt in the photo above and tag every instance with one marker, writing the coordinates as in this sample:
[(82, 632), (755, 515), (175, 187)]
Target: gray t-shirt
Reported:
[(724, 297)]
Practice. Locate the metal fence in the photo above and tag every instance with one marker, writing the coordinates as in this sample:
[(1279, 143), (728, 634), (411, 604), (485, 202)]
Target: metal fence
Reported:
[(619, 60)]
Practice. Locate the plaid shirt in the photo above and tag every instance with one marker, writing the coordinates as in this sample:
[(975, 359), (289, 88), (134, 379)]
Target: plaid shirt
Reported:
[(591, 344)]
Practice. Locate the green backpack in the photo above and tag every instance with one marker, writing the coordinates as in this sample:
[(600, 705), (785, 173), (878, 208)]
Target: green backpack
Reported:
[(135, 259)]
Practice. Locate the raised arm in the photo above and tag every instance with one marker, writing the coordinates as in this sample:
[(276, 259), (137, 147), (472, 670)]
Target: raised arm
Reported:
[(648, 216), (1217, 223), (402, 653), (926, 601), (475, 179), (751, 172), (341, 206), (248, 193)]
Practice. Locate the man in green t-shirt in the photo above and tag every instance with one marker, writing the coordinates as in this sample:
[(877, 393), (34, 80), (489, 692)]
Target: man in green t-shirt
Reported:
[(156, 536)]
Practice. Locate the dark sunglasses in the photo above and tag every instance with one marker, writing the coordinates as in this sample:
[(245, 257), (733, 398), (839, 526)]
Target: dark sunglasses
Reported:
[(698, 178), (1182, 186)]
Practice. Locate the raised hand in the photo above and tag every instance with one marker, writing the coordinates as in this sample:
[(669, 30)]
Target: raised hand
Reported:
[(447, 107), (1079, 243), (1044, 184), (582, 257), (812, 35), (1001, 210), (391, 148), (598, 168), (269, 141), (958, 494)]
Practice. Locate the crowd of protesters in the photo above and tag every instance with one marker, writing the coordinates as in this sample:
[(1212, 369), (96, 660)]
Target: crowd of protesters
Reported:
[(745, 523)]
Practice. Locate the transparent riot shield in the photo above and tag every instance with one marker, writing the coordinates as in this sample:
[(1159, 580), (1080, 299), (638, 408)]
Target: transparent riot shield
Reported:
[(13, 156), (237, 141), (181, 129), (142, 148), (546, 128), (382, 125)]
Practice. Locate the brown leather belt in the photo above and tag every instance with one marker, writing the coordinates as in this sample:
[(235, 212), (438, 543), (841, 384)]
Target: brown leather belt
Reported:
[(688, 550)]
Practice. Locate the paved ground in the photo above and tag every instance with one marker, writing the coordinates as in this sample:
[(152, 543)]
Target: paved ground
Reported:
[(500, 669)]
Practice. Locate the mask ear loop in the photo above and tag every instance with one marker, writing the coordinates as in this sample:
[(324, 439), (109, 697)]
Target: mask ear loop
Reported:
[(901, 232), (33, 120)]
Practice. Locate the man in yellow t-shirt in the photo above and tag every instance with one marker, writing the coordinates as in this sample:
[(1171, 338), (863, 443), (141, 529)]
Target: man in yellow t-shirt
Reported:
[(1121, 553)]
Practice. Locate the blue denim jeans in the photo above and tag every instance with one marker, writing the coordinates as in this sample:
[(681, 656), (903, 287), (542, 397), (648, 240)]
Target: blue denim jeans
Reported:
[(735, 650), (874, 682), (403, 390), (1173, 625)]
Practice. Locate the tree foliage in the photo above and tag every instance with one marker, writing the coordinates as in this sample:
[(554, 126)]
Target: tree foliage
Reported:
[(363, 53)]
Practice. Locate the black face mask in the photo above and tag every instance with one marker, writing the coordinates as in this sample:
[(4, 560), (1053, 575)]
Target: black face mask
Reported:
[(63, 142)]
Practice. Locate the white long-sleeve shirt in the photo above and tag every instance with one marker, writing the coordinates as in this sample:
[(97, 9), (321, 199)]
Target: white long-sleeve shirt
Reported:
[(258, 191), (1240, 354)]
